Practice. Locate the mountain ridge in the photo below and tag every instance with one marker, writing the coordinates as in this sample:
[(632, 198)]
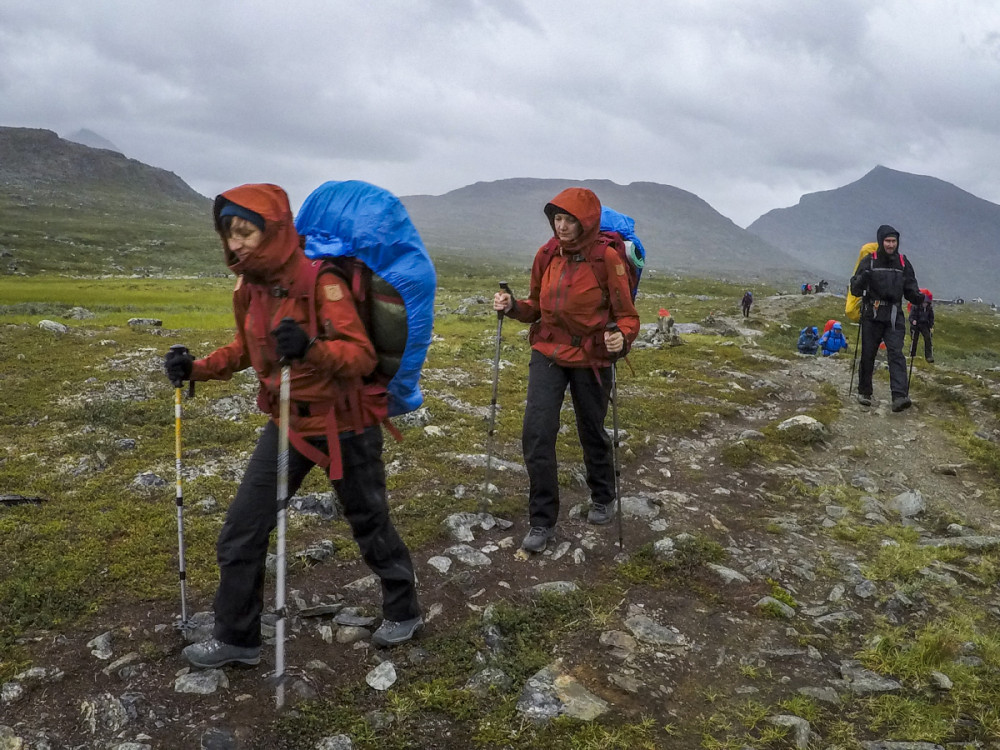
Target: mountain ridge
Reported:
[(949, 233)]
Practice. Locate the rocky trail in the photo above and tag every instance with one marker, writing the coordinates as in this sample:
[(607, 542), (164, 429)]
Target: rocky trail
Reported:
[(773, 599)]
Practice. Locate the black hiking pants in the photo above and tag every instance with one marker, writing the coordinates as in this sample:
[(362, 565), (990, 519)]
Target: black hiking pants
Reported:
[(591, 395), (873, 333), (746, 311), (915, 333), (252, 516)]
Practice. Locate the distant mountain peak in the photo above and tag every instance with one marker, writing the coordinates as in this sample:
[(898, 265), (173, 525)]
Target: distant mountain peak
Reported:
[(90, 138)]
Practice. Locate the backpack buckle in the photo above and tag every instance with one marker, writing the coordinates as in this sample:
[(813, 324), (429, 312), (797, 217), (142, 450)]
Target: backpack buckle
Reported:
[(279, 292)]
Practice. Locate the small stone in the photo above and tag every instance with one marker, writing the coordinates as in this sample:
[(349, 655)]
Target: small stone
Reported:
[(382, 677)]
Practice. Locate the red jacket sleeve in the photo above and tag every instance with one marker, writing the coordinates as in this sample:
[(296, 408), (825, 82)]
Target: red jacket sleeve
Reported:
[(343, 348), (620, 296)]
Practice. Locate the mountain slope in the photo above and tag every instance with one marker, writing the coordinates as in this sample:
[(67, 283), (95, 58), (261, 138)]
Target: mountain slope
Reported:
[(681, 232), (68, 207), (948, 233)]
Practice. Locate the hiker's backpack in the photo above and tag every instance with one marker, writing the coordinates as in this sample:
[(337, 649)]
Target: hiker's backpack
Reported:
[(852, 308), (365, 233), (632, 251)]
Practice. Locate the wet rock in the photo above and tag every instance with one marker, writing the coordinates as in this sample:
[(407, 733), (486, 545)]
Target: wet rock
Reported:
[(560, 588), (52, 326), (201, 682), (908, 504), (649, 631), (825, 694), (468, 555), (336, 742), (217, 738), (141, 322), (489, 680), (864, 681), (440, 563), (382, 677), (964, 542), (798, 725), (773, 606), (101, 646), (728, 575)]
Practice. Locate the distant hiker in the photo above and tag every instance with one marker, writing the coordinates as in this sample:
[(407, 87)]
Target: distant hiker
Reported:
[(664, 321), (833, 341), (335, 419), (882, 279), (808, 340), (569, 308), (922, 323), (822, 285), (746, 303), (805, 288)]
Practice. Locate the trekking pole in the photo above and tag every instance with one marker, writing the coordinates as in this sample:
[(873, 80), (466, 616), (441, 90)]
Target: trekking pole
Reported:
[(854, 362), (612, 327), (493, 403), (913, 356), (181, 568), (279, 597)]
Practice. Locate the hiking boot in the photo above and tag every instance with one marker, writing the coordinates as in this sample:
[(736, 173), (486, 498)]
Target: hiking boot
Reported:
[(864, 400), (901, 402), (392, 633), (930, 360), (213, 653), (536, 539), (600, 513)]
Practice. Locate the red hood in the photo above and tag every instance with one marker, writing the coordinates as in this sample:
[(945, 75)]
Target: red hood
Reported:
[(281, 244), (585, 206)]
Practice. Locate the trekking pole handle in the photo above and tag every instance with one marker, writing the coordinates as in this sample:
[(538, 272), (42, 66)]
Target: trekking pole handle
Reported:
[(505, 288), (181, 349), (612, 327)]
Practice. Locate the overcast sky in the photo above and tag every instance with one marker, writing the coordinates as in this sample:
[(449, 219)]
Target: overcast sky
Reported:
[(747, 103)]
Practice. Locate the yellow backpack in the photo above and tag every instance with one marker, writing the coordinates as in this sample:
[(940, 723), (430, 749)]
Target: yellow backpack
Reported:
[(852, 309)]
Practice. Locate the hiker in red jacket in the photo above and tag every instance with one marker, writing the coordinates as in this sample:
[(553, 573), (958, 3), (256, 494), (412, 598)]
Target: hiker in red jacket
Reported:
[(335, 419), (569, 309)]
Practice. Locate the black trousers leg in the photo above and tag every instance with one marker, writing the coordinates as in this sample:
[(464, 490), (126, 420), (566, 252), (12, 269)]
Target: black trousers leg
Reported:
[(241, 549), (894, 338), (546, 389), (871, 337), (362, 495), (590, 403)]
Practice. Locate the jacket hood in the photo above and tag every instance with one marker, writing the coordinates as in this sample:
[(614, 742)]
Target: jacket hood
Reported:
[(886, 231), (928, 295), (281, 243), (583, 205)]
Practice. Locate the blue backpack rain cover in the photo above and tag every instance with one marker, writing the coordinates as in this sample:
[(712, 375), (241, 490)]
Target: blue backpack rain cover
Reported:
[(358, 220), (614, 221)]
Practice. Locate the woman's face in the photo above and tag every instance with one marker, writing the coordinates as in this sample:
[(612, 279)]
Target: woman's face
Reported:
[(244, 238), (567, 227)]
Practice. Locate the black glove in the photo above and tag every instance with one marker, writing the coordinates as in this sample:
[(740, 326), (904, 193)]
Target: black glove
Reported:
[(293, 342), (177, 364)]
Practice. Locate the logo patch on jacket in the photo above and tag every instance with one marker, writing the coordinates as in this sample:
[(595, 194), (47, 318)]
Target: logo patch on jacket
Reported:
[(333, 292), (620, 269)]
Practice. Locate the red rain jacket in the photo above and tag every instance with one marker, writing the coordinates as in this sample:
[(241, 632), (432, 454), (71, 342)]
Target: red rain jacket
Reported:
[(566, 303)]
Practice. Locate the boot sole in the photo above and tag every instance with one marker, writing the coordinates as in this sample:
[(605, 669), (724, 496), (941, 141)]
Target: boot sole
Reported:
[(219, 665), (385, 642)]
